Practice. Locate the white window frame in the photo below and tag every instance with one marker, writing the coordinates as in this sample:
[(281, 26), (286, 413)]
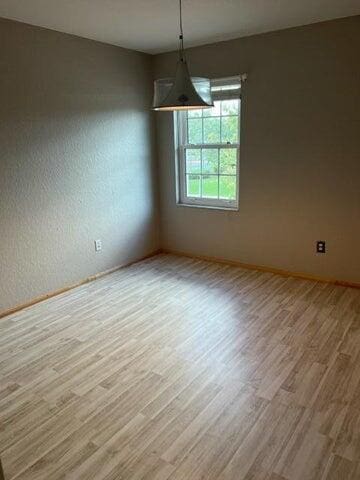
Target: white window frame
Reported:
[(180, 126)]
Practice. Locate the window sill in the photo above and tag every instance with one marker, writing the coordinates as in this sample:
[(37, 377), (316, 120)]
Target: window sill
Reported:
[(208, 207)]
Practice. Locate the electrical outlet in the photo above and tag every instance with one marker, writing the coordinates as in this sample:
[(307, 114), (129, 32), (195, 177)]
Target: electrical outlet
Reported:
[(320, 246), (98, 245)]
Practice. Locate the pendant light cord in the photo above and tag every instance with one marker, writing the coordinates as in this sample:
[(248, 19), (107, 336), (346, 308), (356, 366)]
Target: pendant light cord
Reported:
[(181, 36)]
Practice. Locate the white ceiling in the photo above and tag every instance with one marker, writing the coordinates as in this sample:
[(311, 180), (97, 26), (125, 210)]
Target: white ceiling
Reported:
[(152, 25)]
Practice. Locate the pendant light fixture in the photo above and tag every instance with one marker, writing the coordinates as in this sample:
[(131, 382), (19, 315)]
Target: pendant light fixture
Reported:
[(182, 92)]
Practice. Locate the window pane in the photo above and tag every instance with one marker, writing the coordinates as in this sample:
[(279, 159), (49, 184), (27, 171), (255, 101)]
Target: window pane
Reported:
[(212, 130), (210, 162), (210, 186), (208, 145), (230, 107), (193, 160), (193, 185), (229, 129), (215, 111), (227, 188), (195, 130), (194, 113), (228, 161)]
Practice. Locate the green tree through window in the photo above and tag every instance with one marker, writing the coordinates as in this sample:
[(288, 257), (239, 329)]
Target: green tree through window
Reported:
[(210, 150)]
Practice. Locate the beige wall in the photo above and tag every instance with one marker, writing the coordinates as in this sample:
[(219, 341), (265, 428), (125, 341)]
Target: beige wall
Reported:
[(76, 160), (300, 153)]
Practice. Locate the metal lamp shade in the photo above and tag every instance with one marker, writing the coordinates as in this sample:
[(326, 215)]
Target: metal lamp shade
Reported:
[(182, 92)]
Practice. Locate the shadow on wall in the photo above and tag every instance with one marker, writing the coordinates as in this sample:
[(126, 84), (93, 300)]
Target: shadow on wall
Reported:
[(70, 174)]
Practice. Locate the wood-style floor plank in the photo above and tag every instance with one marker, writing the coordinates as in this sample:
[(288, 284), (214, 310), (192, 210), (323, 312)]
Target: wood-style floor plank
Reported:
[(179, 369)]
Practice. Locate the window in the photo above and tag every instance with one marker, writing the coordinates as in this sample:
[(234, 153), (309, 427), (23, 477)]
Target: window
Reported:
[(208, 149)]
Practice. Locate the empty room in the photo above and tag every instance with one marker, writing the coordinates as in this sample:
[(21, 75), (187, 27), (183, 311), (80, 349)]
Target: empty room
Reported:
[(179, 225)]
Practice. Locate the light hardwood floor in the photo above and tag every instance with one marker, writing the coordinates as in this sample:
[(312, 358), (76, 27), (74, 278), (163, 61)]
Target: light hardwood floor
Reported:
[(182, 369)]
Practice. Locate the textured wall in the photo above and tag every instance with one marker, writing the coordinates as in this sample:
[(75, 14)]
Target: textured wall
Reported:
[(76, 160), (300, 153)]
